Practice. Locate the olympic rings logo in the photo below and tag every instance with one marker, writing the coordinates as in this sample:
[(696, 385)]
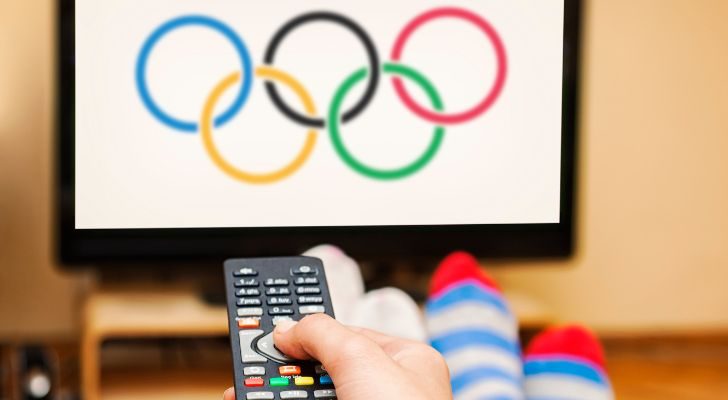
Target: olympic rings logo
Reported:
[(335, 117)]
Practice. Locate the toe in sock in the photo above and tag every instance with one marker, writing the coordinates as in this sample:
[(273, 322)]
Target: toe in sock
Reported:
[(346, 285), (566, 363), (470, 323), (392, 312)]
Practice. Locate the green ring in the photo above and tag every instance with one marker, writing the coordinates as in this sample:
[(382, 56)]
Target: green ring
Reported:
[(360, 167)]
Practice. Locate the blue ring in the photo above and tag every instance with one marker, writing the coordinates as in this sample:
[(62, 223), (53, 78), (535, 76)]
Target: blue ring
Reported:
[(141, 82)]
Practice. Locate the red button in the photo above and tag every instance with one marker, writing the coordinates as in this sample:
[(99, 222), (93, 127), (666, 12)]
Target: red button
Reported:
[(248, 323), (288, 370), (254, 382)]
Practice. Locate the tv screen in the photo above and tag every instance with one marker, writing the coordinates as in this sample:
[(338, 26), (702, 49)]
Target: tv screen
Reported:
[(280, 123)]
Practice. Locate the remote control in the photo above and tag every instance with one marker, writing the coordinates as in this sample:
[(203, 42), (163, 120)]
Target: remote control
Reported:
[(261, 292)]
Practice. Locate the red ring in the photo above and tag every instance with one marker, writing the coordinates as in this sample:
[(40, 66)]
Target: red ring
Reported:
[(500, 52)]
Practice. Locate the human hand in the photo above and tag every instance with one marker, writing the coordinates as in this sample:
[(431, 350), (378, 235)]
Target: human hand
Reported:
[(365, 364)]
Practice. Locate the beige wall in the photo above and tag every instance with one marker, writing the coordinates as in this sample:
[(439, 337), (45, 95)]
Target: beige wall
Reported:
[(653, 235), (35, 301)]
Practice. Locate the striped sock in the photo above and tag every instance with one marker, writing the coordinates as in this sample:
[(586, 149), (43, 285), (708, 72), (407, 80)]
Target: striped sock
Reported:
[(470, 324), (566, 364)]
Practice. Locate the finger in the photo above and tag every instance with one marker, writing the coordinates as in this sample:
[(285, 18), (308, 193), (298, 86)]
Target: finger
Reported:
[(380, 338), (322, 338), (229, 394), (413, 355)]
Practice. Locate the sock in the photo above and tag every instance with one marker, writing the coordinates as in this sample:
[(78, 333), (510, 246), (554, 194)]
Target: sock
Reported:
[(568, 364), (470, 324), (392, 312), (346, 285)]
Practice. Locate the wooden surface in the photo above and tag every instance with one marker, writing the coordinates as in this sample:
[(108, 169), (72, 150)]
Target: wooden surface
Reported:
[(147, 313), (166, 385), (664, 368), (642, 369), (647, 368), (138, 314), (124, 314)]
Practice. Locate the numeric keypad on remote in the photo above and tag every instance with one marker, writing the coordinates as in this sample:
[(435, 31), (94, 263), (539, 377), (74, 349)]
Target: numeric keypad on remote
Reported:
[(261, 294)]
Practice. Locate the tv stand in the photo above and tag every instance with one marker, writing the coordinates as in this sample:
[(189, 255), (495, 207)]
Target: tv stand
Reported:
[(143, 311), (122, 314)]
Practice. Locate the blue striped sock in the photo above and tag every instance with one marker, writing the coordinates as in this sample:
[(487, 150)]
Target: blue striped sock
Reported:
[(567, 364), (470, 324)]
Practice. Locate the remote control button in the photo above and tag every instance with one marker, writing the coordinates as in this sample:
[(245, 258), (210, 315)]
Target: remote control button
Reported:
[(249, 323), (279, 381), (250, 312), (247, 353), (259, 396), (280, 311), (294, 394), (321, 370), (304, 381), (304, 270), (266, 347), (254, 382), (310, 300), (272, 301), (278, 319), (245, 271), (310, 309), (247, 282), (308, 290), (278, 291), (247, 371), (247, 292), (276, 282), (324, 394), (288, 370), (306, 280), (248, 302), (326, 380)]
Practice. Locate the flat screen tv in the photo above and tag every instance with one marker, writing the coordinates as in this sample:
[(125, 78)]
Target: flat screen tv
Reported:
[(201, 130)]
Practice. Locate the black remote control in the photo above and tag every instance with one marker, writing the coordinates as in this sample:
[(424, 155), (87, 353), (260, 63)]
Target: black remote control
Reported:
[(260, 293)]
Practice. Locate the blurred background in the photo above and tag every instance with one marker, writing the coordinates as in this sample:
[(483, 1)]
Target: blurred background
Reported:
[(650, 272)]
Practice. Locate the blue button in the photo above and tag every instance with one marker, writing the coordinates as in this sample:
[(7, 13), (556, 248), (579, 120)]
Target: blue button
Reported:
[(326, 380)]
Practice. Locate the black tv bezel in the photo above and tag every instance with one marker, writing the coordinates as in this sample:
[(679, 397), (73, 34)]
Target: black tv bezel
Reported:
[(78, 247)]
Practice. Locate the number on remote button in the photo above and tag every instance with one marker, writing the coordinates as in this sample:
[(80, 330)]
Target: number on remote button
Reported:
[(280, 311), (310, 300), (276, 282), (247, 292), (308, 290), (278, 291), (307, 280)]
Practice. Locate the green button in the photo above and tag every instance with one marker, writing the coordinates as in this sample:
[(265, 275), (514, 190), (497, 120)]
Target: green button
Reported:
[(279, 381)]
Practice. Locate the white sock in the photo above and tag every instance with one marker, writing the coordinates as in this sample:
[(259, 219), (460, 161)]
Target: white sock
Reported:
[(346, 285), (392, 312)]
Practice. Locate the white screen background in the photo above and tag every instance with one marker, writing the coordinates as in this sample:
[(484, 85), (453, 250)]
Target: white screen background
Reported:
[(134, 172)]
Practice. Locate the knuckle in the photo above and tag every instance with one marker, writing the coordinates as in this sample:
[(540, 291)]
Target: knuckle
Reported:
[(436, 360), (356, 346), (312, 322)]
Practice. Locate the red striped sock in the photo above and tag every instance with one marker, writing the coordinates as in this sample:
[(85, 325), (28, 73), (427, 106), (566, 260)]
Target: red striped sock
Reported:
[(566, 363), (457, 267)]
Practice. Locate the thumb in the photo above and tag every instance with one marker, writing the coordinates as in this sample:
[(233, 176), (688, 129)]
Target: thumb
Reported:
[(341, 350)]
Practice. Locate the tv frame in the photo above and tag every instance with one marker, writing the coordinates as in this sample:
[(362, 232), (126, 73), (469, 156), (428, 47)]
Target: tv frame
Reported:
[(78, 247)]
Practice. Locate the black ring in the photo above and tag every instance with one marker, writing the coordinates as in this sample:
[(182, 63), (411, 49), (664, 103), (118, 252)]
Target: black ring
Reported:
[(345, 22)]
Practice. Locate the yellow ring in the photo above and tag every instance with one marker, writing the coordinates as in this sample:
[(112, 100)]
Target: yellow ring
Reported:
[(233, 171)]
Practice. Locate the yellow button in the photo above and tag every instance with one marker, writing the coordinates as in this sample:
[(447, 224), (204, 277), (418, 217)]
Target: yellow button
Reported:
[(304, 381)]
